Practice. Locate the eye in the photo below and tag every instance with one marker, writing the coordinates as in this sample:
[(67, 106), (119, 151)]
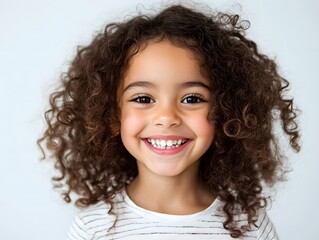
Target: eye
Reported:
[(193, 99), (144, 99)]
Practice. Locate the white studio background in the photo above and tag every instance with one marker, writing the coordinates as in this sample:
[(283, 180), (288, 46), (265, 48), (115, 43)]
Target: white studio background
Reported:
[(39, 37)]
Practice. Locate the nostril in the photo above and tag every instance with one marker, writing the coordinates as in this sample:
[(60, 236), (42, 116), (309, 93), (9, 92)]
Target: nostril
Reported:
[(167, 122)]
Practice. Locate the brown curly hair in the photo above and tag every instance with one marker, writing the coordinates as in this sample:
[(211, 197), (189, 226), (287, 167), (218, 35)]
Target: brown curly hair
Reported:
[(248, 96)]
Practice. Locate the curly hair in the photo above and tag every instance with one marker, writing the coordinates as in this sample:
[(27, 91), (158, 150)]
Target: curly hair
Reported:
[(248, 97)]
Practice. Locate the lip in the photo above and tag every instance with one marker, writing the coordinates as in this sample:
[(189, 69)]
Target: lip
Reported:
[(170, 151)]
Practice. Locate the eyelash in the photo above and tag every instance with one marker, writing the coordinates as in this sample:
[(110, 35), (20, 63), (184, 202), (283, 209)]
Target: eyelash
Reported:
[(142, 99), (138, 98), (199, 98)]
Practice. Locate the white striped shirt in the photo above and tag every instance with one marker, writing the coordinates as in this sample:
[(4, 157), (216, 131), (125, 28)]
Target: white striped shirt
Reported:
[(134, 223)]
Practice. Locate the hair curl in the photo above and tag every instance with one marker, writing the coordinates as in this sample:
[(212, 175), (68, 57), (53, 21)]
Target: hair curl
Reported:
[(248, 96)]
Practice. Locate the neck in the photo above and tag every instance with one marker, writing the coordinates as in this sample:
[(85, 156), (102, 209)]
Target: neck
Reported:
[(180, 195)]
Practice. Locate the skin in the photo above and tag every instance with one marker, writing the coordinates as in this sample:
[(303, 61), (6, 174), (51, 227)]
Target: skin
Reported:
[(164, 95)]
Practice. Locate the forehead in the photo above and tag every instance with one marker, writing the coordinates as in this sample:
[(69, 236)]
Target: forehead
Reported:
[(161, 60)]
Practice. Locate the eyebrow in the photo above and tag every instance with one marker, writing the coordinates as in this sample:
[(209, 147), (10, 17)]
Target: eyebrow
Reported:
[(195, 84), (151, 85), (139, 84)]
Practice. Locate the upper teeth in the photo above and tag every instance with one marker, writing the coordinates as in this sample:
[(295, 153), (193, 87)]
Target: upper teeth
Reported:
[(166, 143)]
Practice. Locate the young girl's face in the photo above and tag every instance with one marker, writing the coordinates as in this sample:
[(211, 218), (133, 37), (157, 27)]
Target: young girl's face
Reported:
[(165, 102)]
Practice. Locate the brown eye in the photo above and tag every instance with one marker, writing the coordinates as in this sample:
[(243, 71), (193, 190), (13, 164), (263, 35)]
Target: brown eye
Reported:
[(142, 99), (193, 99)]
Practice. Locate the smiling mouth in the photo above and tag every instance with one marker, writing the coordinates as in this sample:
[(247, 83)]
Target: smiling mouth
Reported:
[(166, 144)]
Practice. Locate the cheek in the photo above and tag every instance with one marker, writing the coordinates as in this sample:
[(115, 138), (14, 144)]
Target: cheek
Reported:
[(131, 123), (203, 127)]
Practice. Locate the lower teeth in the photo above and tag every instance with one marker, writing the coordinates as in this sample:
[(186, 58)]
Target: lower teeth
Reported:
[(166, 147)]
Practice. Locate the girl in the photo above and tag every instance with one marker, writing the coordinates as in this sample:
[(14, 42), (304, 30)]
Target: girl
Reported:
[(163, 126)]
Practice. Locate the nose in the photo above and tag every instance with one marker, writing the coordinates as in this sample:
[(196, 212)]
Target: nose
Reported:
[(167, 117)]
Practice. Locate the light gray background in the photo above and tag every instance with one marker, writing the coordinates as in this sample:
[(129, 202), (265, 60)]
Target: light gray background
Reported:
[(37, 40)]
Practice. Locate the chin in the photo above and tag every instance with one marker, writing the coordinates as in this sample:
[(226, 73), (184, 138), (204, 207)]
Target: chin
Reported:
[(166, 171)]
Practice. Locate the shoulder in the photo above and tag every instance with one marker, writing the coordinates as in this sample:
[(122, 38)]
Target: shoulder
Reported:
[(93, 221), (90, 220), (265, 230)]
